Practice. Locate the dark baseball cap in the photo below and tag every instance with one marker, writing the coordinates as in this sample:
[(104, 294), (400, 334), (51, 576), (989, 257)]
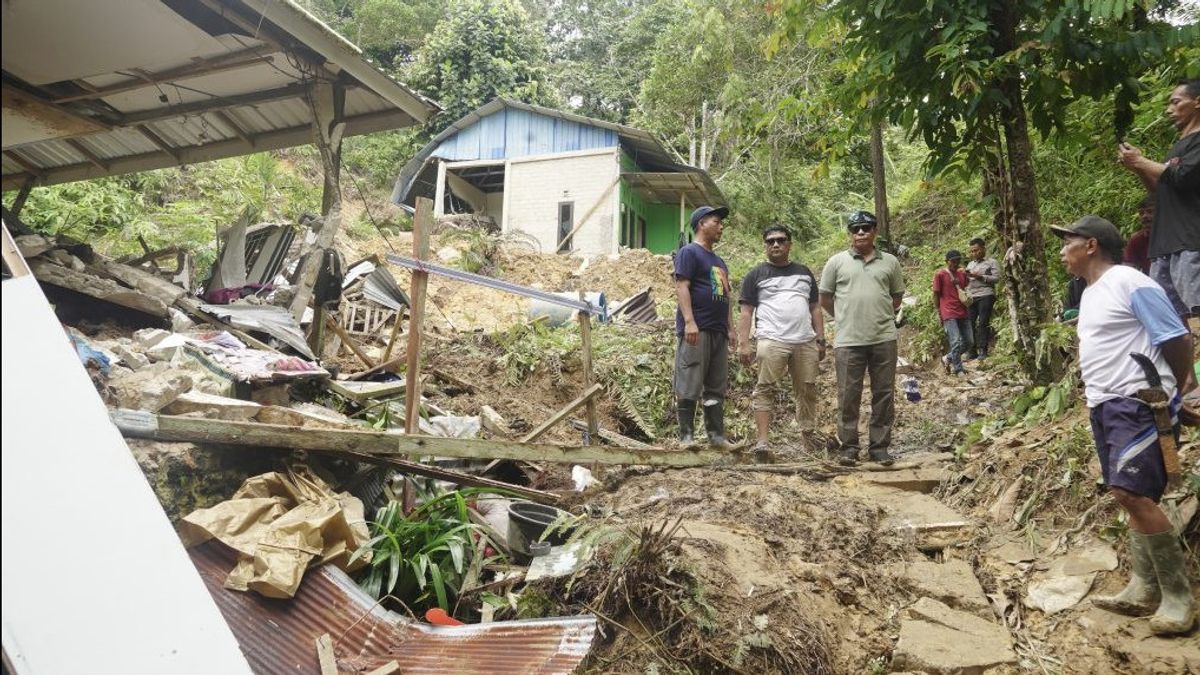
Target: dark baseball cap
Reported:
[(862, 218), (1093, 227), (720, 211), (953, 255)]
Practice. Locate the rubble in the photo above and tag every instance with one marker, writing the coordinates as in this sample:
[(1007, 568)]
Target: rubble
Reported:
[(937, 639)]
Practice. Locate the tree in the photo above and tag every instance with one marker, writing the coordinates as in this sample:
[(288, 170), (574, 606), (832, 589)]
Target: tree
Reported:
[(970, 76), (388, 31), (600, 50), (482, 49)]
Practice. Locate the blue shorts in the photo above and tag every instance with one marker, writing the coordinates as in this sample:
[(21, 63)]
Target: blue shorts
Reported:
[(1127, 444)]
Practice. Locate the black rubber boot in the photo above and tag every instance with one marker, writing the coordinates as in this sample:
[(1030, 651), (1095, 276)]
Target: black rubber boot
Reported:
[(849, 456), (714, 423), (686, 412), (882, 457)]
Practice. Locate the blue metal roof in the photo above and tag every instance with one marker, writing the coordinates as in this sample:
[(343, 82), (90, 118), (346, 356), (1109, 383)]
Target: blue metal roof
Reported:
[(506, 129), (510, 133)]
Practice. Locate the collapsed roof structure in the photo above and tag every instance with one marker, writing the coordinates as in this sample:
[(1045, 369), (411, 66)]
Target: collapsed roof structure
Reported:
[(93, 89)]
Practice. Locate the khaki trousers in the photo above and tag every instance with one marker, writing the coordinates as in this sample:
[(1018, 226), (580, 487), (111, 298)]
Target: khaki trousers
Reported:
[(776, 360)]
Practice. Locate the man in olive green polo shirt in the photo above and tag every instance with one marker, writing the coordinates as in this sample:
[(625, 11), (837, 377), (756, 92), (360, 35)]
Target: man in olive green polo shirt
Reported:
[(861, 289)]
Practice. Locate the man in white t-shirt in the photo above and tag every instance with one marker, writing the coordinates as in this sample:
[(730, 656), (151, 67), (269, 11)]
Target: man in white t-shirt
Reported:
[(780, 298), (1122, 312)]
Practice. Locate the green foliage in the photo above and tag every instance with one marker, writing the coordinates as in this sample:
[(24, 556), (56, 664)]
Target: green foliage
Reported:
[(388, 31), (422, 557), (482, 49), (185, 206), (377, 158), (953, 57)]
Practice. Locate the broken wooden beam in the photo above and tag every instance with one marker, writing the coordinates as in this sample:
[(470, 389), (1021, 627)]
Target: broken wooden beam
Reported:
[(613, 437), (562, 414), (456, 477), (422, 227), (325, 655), (341, 333), (585, 333), (140, 424)]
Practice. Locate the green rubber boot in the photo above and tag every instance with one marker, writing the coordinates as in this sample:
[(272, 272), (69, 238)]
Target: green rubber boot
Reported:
[(1141, 595), (1177, 612)]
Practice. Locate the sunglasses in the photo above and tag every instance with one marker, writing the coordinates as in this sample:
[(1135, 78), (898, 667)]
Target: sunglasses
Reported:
[(780, 241), (861, 229)]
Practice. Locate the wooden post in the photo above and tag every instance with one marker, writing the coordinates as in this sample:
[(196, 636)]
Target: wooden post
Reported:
[(22, 195), (879, 185), (585, 332), (439, 193), (341, 333), (326, 102), (422, 224)]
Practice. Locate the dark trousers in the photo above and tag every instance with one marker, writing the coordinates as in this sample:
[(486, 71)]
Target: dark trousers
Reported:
[(853, 363), (702, 369), (980, 312)]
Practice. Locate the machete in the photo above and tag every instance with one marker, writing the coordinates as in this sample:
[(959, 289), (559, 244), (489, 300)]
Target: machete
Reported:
[(1156, 397)]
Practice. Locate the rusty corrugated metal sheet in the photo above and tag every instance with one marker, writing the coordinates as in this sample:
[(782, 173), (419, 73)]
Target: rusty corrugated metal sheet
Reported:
[(279, 636)]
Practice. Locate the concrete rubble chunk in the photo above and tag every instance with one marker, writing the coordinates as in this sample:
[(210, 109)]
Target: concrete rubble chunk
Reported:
[(952, 582), (212, 406), (492, 421), (937, 639), (135, 360), (151, 388)]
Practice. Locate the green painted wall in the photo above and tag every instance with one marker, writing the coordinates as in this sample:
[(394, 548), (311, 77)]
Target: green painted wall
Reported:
[(662, 220)]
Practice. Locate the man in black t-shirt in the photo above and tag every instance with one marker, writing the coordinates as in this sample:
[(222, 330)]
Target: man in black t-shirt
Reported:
[(703, 331), (779, 297), (1175, 237)]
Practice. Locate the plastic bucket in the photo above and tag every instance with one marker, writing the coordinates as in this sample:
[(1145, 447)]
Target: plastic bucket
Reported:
[(526, 523)]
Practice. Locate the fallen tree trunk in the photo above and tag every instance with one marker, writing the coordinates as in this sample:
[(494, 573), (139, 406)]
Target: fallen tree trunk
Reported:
[(140, 424)]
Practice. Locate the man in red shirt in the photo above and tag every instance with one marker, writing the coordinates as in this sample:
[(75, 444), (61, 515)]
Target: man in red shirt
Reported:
[(955, 320), (1137, 250)]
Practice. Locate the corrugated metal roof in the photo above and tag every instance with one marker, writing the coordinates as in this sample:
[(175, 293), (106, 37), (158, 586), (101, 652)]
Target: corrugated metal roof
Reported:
[(506, 129), (168, 82), (278, 636)]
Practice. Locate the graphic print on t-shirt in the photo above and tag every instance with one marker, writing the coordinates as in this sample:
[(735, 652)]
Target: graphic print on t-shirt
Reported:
[(719, 280)]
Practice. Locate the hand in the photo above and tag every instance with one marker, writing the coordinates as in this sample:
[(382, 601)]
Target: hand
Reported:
[(745, 355), (820, 352), (691, 332), (733, 340), (1128, 155)]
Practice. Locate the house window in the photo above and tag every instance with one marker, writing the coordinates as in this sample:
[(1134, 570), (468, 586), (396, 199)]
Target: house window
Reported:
[(566, 221)]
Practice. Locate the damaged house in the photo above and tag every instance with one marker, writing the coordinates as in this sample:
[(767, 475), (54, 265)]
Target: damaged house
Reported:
[(565, 181)]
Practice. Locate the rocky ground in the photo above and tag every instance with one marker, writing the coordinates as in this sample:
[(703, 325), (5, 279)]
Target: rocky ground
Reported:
[(975, 553)]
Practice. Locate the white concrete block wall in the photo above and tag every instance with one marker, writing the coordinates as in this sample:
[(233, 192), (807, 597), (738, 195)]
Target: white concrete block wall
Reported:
[(537, 187)]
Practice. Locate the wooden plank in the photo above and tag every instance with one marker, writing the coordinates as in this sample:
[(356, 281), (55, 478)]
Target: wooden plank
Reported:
[(382, 444), (456, 477), (341, 332), (585, 332), (388, 668), (386, 365), (588, 214), (325, 655), (227, 120), (387, 353), (613, 437), (422, 226), (364, 391), (563, 413)]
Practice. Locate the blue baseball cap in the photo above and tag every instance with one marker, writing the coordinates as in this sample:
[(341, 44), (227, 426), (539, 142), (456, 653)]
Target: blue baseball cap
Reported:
[(697, 215)]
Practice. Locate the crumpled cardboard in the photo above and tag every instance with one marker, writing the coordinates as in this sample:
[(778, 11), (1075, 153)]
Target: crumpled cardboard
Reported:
[(280, 525)]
